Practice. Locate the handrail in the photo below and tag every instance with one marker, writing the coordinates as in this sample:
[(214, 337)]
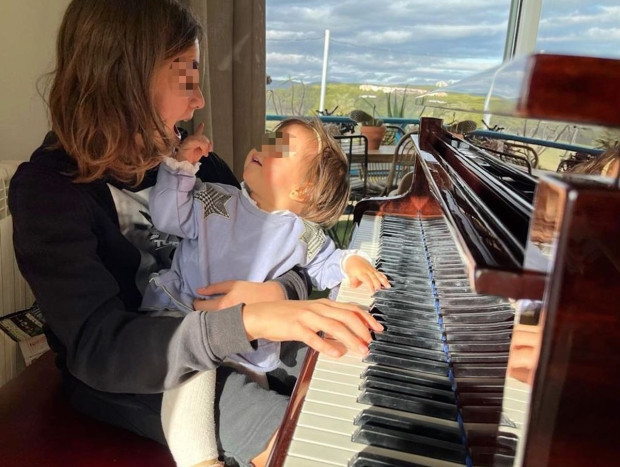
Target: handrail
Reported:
[(344, 119), (484, 133), (540, 142)]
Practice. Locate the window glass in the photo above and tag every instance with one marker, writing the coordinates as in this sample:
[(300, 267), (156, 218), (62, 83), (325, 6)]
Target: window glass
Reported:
[(376, 47), (575, 27), (382, 55)]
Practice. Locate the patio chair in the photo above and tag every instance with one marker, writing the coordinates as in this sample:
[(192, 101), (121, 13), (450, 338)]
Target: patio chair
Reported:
[(393, 134), (378, 171), (402, 163), (356, 149)]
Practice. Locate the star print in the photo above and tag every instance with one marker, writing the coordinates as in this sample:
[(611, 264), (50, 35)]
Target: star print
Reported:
[(314, 237), (213, 201)]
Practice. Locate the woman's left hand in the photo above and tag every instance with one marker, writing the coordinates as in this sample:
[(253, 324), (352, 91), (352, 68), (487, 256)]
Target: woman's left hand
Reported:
[(230, 293)]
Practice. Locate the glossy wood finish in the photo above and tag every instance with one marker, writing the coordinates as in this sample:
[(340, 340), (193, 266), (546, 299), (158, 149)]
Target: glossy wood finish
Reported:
[(39, 428), (285, 434), (571, 88), (574, 408), (489, 218)]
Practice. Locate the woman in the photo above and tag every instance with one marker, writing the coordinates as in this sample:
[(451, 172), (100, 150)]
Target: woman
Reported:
[(126, 73)]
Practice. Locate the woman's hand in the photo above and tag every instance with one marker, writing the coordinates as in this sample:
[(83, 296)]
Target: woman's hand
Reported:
[(288, 320), (231, 293), (194, 146), (360, 271)]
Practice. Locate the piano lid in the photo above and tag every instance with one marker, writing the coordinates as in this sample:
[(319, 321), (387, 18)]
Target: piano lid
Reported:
[(548, 87)]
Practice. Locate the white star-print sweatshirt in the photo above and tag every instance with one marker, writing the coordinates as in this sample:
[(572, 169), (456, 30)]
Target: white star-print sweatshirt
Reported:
[(225, 236)]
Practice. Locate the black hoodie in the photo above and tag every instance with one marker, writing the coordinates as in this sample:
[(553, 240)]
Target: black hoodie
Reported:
[(82, 272)]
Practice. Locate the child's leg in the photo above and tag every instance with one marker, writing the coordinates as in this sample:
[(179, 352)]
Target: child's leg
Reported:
[(188, 420)]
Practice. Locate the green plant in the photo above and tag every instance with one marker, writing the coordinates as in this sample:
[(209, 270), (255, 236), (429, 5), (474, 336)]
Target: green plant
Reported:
[(364, 118), (396, 109)]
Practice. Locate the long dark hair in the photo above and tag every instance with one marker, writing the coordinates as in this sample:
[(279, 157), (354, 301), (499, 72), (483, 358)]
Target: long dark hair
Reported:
[(100, 101)]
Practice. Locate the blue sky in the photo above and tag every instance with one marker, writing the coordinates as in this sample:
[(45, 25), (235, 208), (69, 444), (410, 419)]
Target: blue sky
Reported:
[(422, 41)]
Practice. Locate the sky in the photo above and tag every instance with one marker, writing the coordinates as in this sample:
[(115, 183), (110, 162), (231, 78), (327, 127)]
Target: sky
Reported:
[(401, 42)]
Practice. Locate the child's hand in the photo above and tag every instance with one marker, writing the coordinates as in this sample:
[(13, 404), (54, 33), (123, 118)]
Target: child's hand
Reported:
[(194, 146), (360, 271)]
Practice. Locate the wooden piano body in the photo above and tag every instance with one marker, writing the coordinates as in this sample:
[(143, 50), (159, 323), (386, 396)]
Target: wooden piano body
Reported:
[(560, 247)]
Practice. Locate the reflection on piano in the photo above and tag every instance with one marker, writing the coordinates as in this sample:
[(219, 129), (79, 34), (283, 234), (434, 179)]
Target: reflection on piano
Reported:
[(458, 377)]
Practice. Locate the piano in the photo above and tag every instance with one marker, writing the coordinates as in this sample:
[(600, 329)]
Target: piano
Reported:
[(503, 317)]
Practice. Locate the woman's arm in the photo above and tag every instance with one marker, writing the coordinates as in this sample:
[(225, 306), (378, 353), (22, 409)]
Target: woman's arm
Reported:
[(82, 273)]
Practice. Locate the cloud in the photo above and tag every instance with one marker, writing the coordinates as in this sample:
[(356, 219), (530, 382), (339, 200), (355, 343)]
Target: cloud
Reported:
[(421, 41)]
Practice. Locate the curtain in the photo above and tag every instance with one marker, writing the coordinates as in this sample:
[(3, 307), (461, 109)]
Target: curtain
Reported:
[(233, 81)]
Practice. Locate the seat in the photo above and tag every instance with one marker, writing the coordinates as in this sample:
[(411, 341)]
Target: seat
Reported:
[(402, 163), (393, 134), (39, 427), (378, 171), (356, 149)]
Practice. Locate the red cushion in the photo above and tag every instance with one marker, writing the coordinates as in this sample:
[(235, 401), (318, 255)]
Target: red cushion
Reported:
[(38, 427)]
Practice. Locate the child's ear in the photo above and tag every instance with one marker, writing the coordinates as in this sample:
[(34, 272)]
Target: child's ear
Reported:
[(300, 193)]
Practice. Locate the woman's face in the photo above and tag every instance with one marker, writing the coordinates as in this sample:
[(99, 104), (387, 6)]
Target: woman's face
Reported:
[(176, 87)]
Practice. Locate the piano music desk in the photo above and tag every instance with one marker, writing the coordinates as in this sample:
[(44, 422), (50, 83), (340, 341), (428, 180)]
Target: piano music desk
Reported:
[(39, 428)]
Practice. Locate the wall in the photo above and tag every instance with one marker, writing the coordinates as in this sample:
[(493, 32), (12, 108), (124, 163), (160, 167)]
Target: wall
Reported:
[(27, 43)]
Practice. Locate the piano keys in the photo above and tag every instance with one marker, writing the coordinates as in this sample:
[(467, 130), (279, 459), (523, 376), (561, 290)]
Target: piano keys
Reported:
[(431, 379)]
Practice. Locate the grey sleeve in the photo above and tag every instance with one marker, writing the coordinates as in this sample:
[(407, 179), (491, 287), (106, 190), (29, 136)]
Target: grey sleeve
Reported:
[(296, 284)]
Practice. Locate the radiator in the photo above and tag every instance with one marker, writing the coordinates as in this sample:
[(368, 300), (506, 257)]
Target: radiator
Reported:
[(14, 292)]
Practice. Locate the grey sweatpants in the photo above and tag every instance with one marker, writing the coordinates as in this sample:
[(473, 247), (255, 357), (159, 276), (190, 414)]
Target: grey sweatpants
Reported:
[(246, 414)]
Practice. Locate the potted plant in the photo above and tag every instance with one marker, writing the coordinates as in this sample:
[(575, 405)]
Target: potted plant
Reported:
[(371, 127)]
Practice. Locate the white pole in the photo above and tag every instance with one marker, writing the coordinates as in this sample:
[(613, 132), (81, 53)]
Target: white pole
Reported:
[(324, 74)]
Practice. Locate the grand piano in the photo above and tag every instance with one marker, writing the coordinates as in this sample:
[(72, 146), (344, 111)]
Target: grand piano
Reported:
[(502, 322)]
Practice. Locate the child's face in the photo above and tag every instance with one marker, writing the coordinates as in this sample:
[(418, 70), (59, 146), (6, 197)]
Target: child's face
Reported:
[(274, 174), (176, 87)]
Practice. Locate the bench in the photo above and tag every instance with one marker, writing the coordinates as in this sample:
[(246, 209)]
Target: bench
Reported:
[(39, 428)]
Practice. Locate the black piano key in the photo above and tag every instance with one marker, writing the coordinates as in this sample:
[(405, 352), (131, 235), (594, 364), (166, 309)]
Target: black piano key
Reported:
[(452, 284), (411, 341), (486, 385), (476, 301), (502, 441), (422, 304), (489, 317), (408, 403), (483, 399), (367, 459), (455, 347), (475, 370), (402, 319), (400, 422), (378, 347), (505, 326), (491, 357), (407, 442), (493, 455), (395, 328), (407, 376), (408, 363), (484, 336), (417, 327), (408, 315), (392, 387), (481, 414)]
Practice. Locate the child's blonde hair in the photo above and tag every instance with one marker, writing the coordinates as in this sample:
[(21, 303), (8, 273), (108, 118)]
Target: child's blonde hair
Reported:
[(327, 175), (100, 101)]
